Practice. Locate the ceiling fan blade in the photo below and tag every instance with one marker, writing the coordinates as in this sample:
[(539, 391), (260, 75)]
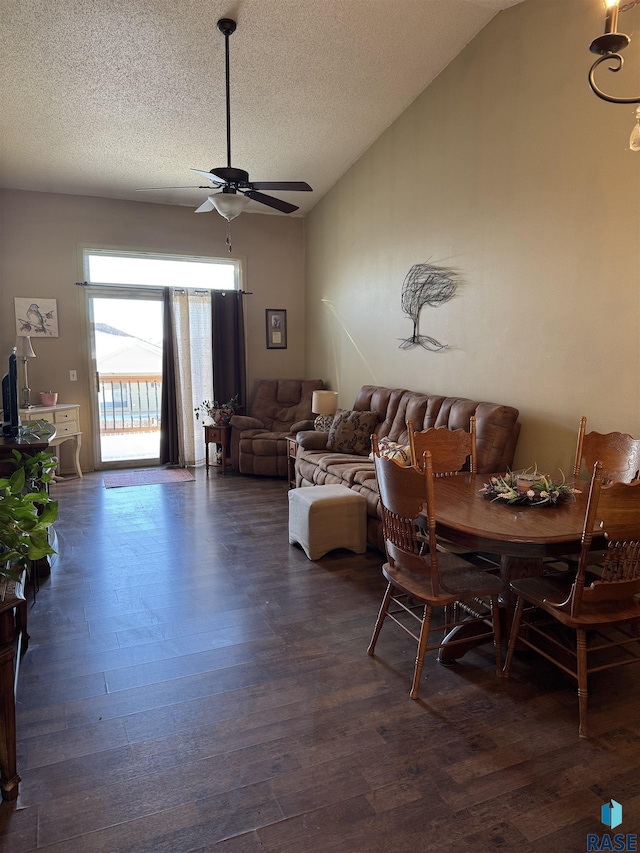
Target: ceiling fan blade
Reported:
[(292, 186), (155, 189), (269, 200), (205, 207), (209, 176)]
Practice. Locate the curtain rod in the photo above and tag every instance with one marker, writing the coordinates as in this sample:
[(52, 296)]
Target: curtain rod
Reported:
[(153, 286)]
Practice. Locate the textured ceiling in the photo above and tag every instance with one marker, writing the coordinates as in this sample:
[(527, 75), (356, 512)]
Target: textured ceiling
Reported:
[(100, 97)]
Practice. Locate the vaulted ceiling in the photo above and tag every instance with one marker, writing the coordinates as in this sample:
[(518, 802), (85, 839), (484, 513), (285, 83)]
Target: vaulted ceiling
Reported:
[(100, 97)]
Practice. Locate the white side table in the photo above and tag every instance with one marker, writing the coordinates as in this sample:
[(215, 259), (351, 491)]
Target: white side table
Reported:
[(66, 419)]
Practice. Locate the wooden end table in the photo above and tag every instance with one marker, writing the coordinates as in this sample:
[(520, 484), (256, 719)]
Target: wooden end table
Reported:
[(292, 450), (217, 434)]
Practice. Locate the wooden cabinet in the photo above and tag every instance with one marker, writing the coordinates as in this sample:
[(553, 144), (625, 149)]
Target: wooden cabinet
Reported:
[(66, 419)]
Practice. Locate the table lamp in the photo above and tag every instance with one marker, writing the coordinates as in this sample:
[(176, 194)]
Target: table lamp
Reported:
[(324, 405), (27, 353)]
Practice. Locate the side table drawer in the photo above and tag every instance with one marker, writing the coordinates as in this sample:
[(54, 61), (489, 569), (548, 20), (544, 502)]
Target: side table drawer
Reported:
[(66, 428), (219, 434), (66, 415)]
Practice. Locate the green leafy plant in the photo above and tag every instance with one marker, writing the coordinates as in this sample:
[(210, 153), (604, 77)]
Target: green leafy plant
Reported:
[(25, 517), (220, 413), (38, 468)]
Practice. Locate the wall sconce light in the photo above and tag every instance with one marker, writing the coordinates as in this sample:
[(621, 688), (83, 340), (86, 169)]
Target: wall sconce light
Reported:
[(324, 404), (27, 353), (609, 45)]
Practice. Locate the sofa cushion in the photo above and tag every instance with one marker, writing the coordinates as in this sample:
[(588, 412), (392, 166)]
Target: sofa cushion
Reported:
[(345, 466), (384, 401), (351, 431), (263, 443)]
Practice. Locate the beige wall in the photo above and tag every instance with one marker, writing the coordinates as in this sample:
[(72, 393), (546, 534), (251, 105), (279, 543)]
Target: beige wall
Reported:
[(41, 237), (508, 169)]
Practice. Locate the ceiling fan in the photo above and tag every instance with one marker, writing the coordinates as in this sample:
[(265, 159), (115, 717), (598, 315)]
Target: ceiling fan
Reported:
[(236, 190)]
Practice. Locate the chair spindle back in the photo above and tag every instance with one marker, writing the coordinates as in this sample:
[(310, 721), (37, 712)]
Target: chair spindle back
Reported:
[(615, 509), (404, 493)]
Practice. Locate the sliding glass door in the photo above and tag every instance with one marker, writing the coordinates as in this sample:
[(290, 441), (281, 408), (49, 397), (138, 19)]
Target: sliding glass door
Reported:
[(125, 302), (126, 345)]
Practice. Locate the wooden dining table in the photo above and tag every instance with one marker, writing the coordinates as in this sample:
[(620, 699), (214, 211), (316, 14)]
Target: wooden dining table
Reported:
[(521, 535)]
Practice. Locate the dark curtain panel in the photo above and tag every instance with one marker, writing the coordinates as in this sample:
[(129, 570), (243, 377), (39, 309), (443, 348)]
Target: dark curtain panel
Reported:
[(168, 403), (227, 326)]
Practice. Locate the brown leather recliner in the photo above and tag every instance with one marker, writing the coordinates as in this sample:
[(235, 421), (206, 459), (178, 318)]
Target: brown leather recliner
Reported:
[(281, 408)]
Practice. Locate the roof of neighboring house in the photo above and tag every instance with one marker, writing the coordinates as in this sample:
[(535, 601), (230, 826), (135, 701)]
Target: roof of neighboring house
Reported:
[(121, 354)]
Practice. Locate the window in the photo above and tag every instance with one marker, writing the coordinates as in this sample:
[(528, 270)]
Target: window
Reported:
[(123, 268)]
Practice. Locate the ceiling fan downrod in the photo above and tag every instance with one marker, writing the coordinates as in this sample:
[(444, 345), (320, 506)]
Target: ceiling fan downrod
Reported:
[(227, 27)]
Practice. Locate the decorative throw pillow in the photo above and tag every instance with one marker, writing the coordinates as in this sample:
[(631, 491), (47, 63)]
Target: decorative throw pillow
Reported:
[(350, 432), (400, 453)]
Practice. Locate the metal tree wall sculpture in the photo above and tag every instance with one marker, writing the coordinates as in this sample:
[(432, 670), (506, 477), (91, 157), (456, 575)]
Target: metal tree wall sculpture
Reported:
[(425, 285)]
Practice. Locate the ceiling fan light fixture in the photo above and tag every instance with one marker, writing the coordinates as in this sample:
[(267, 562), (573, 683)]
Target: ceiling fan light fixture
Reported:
[(229, 204)]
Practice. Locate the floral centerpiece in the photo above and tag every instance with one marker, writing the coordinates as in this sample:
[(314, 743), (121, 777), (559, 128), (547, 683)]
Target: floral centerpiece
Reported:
[(528, 487), (219, 413)]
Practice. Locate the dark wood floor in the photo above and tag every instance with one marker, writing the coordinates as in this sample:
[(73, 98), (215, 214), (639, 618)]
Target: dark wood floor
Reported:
[(194, 683)]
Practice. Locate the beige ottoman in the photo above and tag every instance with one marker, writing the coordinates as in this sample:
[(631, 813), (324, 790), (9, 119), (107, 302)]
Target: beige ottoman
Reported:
[(322, 518)]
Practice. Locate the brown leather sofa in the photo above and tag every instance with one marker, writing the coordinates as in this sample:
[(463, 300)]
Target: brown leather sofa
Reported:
[(281, 408), (497, 430)]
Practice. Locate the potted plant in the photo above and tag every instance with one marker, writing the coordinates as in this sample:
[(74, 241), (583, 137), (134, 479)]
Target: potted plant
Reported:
[(25, 517), (218, 413), (38, 468)]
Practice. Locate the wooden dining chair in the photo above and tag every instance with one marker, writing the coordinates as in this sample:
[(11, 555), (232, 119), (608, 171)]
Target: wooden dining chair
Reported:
[(601, 610), (451, 449), (618, 452), (419, 577)]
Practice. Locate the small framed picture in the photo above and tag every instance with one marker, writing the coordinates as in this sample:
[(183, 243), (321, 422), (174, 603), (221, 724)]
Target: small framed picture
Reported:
[(276, 328)]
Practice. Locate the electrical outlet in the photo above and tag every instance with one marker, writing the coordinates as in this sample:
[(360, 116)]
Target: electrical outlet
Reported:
[(73, 375)]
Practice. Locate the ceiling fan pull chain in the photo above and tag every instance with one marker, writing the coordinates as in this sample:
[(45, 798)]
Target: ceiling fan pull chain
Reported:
[(229, 235)]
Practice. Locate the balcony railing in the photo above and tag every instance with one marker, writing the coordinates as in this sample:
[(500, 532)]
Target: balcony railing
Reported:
[(129, 403)]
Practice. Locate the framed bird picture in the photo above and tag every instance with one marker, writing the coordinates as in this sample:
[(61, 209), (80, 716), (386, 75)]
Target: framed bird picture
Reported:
[(36, 318)]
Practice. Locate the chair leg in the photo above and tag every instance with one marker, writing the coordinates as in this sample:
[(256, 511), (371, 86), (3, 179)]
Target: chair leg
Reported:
[(513, 636), (497, 634), (449, 617), (381, 617), (581, 648), (422, 645)]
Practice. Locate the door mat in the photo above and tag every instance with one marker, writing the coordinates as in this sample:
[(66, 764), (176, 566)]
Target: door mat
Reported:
[(147, 477)]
